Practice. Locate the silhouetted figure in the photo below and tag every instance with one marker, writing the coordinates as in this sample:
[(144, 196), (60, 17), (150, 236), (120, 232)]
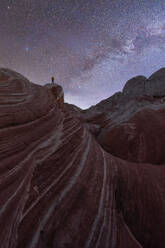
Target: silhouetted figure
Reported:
[(52, 80)]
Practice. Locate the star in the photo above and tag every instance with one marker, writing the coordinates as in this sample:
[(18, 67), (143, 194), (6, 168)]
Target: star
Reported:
[(27, 49)]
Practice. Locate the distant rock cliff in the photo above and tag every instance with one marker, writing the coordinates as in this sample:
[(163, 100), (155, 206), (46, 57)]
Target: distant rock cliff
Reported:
[(82, 179)]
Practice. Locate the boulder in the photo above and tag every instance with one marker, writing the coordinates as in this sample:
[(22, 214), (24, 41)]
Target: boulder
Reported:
[(135, 87)]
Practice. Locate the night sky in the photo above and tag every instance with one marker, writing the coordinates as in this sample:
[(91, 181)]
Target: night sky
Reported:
[(92, 47)]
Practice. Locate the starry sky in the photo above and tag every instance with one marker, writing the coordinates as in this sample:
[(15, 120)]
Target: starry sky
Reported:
[(92, 47)]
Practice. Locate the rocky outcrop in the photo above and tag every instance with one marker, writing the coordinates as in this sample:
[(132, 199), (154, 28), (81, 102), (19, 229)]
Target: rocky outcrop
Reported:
[(58, 93), (153, 86), (60, 188), (156, 84), (127, 125), (135, 86)]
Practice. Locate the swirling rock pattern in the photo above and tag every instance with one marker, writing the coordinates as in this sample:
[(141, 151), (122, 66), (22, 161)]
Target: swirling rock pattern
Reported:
[(58, 186)]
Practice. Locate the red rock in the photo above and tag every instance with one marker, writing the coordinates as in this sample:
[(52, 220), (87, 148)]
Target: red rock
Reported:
[(59, 188), (140, 139)]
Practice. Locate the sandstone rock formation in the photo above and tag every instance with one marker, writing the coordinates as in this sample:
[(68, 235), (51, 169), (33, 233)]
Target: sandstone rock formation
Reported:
[(81, 179), (129, 119)]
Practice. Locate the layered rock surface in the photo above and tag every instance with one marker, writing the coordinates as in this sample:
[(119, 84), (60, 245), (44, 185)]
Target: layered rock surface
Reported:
[(60, 188)]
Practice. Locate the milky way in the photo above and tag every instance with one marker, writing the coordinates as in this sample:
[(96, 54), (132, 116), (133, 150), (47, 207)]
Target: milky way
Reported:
[(91, 47)]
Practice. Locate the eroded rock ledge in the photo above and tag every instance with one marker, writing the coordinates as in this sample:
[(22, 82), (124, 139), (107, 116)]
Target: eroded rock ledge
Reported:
[(60, 188)]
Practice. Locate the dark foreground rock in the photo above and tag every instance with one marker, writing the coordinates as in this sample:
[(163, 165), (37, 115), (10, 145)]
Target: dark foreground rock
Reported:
[(60, 188)]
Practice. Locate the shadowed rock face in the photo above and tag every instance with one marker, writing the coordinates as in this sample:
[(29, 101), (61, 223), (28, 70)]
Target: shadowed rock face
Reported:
[(135, 86), (132, 124), (140, 139), (60, 188)]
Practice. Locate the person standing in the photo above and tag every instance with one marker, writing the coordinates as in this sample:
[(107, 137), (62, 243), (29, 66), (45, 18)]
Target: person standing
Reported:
[(52, 79)]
